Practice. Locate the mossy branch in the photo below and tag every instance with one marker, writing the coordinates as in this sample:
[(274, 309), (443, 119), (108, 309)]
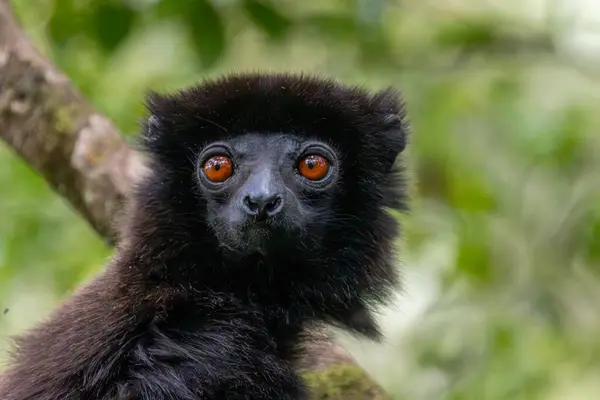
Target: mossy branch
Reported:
[(84, 158)]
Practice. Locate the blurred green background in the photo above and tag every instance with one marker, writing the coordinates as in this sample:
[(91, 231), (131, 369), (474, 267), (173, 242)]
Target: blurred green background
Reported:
[(501, 255)]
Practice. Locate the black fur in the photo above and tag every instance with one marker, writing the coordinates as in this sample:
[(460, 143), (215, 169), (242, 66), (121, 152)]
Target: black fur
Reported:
[(172, 317)]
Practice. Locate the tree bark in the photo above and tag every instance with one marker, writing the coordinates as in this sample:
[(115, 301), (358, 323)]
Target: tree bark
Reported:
[(49, 124), (84, 158)]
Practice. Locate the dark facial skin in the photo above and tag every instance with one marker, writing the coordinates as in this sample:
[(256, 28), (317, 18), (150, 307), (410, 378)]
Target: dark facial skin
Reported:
[(266, 200)]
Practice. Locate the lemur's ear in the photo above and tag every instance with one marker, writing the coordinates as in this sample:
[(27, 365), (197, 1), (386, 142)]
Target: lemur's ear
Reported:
[(153, 126), (388, 101), (154, 131), (151, 136), (157, 103), (394, 125)]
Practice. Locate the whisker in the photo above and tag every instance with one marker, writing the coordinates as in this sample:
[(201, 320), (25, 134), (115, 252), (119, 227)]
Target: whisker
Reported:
[(213, 123)]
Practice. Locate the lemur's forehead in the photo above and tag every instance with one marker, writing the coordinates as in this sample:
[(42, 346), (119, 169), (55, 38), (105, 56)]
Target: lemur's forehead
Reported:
[(268, 100), (354, 122), (257, 142)]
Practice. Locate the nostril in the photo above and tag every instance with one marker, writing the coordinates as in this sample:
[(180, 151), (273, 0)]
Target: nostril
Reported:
[(262, 206), (274, 205), (251, 205)]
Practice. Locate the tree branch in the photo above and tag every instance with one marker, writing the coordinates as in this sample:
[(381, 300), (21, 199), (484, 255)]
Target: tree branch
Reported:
[(49, 124), (81, 154)]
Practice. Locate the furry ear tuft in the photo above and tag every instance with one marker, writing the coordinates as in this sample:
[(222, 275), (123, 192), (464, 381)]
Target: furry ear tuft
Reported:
[(152, 129), (389, 104), (156, 103), (159, 122), (388, 101)]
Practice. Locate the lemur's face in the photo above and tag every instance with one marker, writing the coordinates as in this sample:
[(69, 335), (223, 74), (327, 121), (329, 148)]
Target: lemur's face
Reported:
[(262, 190), (282, 165)]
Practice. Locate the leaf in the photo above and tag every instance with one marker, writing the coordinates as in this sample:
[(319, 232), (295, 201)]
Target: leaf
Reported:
[(335, 26), (268, 18), (474, 258), (65, 22), (204, 23), (371, 40), (207, 30), (111, 22), (169, 8), (468, 34), (568, 148), (470, 191), (593, 240), (375, 49)]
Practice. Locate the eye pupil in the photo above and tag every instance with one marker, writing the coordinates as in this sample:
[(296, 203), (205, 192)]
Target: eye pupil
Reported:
[(313, 167), (218, 168)]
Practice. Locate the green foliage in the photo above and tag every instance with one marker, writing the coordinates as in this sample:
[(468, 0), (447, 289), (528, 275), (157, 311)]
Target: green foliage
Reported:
[(111, 22), (65, 22), (268, 18), (502, 249), (206, 28), (338, 26), (468, 34)]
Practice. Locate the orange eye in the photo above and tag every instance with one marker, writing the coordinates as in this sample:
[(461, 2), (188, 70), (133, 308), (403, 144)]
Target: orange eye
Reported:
[(313, 167), (218, 168)]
